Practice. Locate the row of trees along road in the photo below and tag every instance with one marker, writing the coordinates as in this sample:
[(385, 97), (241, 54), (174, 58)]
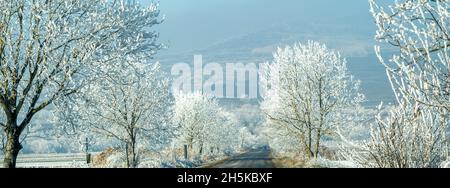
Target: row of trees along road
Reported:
[(51, 49), (309, 87), (67, 54)]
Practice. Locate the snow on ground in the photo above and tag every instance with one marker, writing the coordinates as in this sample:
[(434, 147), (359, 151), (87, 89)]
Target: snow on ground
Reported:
[(446, 164), (324, 163), (74, 160)]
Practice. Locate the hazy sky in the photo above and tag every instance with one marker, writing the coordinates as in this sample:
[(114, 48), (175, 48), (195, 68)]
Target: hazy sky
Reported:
[(193, 24), (249, 26)]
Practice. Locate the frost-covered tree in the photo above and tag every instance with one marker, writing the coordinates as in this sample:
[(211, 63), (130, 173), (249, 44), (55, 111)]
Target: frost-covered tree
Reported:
[(48, 49), (401, 139), (419, 70), (413, 134), (246, 138), (194, 113), (282, 142), (131, 104), (204, 127), (224, 136), (308, 85)]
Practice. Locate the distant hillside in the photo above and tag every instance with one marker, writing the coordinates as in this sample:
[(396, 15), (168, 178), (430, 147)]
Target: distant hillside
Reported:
[(258, 47)]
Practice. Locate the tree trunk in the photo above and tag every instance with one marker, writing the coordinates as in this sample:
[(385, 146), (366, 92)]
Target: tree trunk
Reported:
[(12, 148), (127, 154), (319, 135), (134, 161), (131, 155), (309, 145), (191, 152), (200, 151)]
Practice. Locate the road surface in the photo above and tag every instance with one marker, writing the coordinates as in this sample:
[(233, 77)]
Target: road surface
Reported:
[(259, 158)]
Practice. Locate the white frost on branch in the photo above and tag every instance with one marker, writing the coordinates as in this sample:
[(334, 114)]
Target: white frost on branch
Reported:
[(50, 49), (130, 104), (414, 133), (309, 86), (205, 128)]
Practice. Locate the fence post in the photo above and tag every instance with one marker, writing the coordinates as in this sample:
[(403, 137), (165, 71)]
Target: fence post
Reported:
[(185, 152), (86, 147)]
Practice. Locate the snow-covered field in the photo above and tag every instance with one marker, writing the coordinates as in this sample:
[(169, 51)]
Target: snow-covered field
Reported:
[(51, 160)]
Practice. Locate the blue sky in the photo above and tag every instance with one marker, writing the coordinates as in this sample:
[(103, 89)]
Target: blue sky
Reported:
[(194, 24)]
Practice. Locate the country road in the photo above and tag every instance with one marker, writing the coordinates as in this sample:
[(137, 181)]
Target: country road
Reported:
[(258, 158)]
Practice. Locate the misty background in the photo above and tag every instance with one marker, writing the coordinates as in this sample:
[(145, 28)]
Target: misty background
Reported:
[(230, 31)]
